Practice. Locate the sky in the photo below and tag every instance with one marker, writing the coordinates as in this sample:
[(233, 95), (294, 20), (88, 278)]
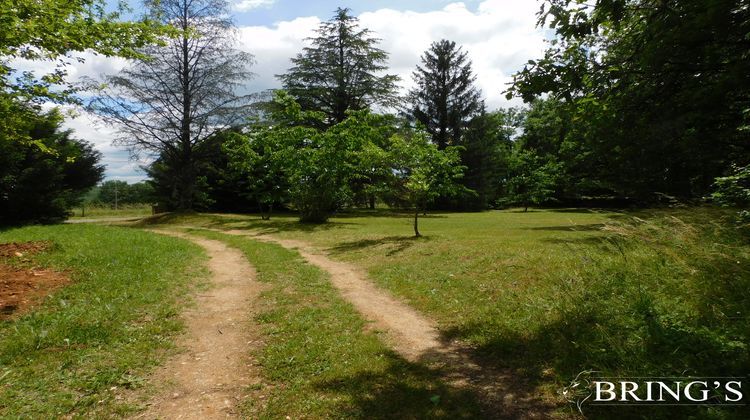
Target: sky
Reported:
[(499, 36)]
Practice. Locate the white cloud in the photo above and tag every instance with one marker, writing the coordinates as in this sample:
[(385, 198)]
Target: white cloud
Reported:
[(117, 161), (92, 65), (245, 5), (499, 36), (273, 47)]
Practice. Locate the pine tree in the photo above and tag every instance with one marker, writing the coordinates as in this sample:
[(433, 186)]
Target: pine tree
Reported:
[(340, 71), (445, 98)]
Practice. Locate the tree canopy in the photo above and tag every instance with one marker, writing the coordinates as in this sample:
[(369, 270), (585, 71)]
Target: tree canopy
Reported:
[(656, 94), (41, 184), (49, 30), (340, 71)]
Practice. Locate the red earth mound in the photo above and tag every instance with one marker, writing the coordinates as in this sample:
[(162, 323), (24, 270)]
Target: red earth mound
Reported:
[(21, 288)]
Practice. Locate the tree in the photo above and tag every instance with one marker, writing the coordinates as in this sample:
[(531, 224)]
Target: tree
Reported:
[(254, 159), (181, 95), (41, 184), (486, 149), (49, 30), (733, 190), (421, 172), (340, 71), (532, 179), (445, 98), (115, 193), (656, 91)]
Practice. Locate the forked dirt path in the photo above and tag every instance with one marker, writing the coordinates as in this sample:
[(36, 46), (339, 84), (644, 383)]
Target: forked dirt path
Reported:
[(417, 339), (212, 375)]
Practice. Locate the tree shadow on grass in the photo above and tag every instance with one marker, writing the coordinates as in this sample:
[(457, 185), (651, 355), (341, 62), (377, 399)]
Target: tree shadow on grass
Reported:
[(403, 390), (593, 334), (399, 214), (276, 226), (414, 391), (394, 244)]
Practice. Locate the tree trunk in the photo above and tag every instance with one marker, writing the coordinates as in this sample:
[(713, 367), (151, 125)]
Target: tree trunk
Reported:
[(416, 222), (372, 201)]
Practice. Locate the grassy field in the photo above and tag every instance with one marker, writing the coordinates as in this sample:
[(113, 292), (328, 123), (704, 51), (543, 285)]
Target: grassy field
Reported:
[(94, 212), (82, 351), (320, 363), (552, 293)]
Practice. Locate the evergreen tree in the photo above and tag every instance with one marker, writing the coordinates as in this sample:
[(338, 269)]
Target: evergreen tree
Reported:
[(487, 146), (41, 179), (445, 98), (340, 71)]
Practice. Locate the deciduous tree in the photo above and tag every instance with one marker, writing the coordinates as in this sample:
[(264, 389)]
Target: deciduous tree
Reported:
[(422, 172), (183, 93)]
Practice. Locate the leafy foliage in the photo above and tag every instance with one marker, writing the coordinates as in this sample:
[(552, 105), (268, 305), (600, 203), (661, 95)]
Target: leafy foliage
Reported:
[(532, 179), (422, 172), (734, 190), (49, 30), (486, 149), (653, 93), (40, 180), (319, 170), (115, 192), (340, 71)]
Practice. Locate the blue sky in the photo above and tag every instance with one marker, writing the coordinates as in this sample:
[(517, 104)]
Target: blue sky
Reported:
[(499, 36), (268, 12)]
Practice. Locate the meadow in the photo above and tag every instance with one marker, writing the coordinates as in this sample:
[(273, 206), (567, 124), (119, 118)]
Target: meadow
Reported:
[(549, 294), (95, 211), (541, 295)]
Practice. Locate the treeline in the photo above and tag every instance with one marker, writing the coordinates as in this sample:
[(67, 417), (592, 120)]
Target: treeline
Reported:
[(646, 99), (635, 102), (114, 193), (619, 113)]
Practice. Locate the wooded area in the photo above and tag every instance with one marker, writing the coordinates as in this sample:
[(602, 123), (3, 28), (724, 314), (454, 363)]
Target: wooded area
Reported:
[(634, 103)]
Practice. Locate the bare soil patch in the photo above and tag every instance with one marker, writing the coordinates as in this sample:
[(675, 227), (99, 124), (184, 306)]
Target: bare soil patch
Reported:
[(23, 249), (22, 288), (216, 370)]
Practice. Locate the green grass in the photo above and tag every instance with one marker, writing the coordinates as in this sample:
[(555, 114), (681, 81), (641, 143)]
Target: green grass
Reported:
[(82, 350), (103, 211), (319, 362), (552, 293)]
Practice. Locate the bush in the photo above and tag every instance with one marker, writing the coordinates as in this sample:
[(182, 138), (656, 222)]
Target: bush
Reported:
[(734, 191)]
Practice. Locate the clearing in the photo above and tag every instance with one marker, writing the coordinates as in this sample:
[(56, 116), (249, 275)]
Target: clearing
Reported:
[(417, 339)]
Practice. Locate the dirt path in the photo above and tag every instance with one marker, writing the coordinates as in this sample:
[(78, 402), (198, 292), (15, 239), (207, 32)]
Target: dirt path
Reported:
[(212, 375), (417, 338)]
